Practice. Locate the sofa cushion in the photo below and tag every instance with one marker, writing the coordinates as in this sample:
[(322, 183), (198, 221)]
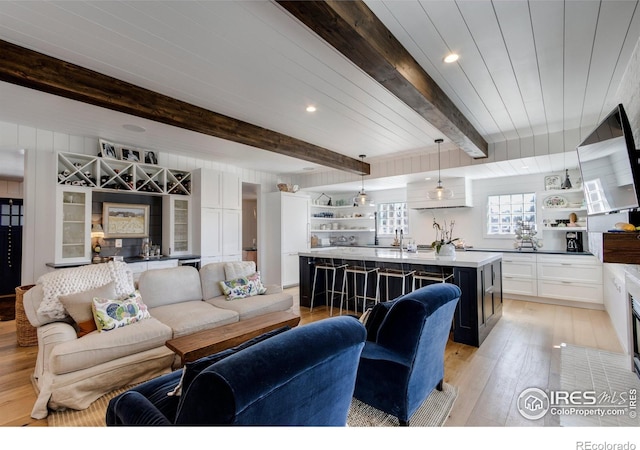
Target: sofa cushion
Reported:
[(210, 277), (188, 317), (78, 306), (160, 287), (110, 314), (256, 305), (97, 348), (237, 269)]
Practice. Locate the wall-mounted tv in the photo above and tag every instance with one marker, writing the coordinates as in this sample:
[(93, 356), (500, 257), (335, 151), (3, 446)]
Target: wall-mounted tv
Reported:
[(609, 166)]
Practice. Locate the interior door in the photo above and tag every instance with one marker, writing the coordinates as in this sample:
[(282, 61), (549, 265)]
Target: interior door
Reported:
[(11, 212)]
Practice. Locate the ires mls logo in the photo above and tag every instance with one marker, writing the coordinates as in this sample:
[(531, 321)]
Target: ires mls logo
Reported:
[(534, 403)]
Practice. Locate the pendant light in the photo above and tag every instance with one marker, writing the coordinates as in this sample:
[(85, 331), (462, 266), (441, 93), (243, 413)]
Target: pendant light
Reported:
[(439, 193), (362, 199)]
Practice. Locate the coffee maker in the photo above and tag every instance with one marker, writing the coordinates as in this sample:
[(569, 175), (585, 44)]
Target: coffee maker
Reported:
[(574, 241)]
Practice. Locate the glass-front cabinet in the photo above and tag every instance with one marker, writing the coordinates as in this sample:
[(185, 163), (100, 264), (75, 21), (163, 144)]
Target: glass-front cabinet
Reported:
[(73, 225), (176, 230)]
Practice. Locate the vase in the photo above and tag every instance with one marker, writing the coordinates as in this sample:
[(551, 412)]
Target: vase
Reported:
[(447, 251)]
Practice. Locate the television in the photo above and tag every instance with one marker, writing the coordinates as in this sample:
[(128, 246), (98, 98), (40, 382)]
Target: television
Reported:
[(609, 166)]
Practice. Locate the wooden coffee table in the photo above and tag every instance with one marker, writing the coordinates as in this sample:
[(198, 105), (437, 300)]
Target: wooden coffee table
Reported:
[(207, 342)]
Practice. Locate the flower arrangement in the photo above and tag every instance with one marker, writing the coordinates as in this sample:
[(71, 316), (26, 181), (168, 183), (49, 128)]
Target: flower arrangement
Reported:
[(444, 235)]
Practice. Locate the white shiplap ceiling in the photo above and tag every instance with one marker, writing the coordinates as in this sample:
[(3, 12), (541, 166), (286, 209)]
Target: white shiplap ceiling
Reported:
[(526, 68)]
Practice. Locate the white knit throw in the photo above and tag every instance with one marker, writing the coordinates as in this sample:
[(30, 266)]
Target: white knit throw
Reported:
[(79, 279)]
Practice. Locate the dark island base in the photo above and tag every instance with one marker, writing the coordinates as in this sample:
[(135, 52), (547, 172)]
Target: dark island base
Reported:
[(478, 311)]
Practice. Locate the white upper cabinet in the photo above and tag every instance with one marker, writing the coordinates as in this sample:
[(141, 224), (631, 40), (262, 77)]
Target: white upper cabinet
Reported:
[(216, 189)]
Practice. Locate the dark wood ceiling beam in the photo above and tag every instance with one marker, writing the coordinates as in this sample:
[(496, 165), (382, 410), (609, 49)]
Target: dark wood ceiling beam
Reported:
[(35, 70), (353, 29)]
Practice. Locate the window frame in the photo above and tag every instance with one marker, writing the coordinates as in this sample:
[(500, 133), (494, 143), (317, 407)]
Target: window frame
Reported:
[(379, 218), (510, 235)]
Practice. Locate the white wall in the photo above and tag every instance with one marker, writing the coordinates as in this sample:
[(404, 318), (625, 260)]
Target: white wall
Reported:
[(40, 181), (11, 189)]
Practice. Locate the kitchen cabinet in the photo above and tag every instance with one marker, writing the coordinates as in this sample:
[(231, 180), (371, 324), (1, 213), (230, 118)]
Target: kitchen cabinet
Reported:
[(138, 267), (575, 278), (217, 189), (217, 216), (519, 275), (349, 224), (176, 229), (287, 234), (73, 225)]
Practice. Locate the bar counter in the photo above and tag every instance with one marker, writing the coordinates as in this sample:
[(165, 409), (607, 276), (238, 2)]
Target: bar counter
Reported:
[(478, 274)]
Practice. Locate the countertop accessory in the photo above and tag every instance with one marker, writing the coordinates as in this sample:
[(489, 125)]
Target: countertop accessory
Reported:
[(555, 201), (552, 182)]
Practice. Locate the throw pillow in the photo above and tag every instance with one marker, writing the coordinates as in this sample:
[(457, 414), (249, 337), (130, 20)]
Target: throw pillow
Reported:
[(78, 306), (239, 269), (257, 282), (238, 288), (111, 314)]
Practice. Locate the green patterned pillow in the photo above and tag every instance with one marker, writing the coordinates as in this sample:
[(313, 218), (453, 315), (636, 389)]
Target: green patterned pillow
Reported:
[(238, 288), (111, 314)]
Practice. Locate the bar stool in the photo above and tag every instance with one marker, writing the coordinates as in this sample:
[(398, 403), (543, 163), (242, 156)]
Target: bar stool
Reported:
[(392, 273), (437, 275), (364, 272), (331, 268)]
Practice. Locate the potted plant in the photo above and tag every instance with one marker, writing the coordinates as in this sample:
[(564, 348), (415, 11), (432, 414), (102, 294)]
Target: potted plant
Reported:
[(444, 242)]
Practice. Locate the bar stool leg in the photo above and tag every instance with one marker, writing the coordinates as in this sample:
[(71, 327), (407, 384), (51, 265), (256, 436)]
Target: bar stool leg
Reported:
[(333, 287), (313, 288)]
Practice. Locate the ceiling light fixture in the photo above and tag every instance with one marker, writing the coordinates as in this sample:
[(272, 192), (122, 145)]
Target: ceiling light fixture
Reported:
[(132, 127), (439, 193), (362, 199), (311, 108), (451, 57)]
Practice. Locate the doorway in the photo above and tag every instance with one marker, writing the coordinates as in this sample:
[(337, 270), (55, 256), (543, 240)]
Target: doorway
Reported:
[(250, 222), (11, 219)]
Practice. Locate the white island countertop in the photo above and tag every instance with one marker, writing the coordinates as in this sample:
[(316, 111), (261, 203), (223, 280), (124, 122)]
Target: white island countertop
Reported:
[(425, 257)]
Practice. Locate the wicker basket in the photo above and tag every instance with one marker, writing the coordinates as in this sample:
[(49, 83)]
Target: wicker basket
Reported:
[(27, 333)]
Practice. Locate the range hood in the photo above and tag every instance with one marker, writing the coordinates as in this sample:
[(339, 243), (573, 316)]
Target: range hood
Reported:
[(417, 194)]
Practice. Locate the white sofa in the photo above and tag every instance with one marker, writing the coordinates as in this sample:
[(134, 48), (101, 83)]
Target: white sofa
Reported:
[(72, 371)]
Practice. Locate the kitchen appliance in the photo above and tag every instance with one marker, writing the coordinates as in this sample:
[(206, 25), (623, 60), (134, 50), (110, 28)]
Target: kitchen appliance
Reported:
[(574, 241)]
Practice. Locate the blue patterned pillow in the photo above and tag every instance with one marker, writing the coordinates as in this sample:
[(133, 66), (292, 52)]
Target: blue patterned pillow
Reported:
[(111, 314), (238, 288)]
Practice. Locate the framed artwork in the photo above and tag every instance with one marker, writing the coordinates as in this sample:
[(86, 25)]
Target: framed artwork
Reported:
[(125, 220), (130, 154), (552, 183), (108, 149), (150, 157)]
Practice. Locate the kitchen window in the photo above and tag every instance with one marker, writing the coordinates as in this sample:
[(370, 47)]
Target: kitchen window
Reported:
[(393, 217), (505, 212)]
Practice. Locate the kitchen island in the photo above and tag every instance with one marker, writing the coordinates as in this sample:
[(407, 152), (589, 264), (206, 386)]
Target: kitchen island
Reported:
[(478, 274)]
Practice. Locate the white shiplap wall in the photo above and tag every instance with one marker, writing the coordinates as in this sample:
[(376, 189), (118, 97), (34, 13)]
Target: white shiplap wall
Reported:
[(39, 182)]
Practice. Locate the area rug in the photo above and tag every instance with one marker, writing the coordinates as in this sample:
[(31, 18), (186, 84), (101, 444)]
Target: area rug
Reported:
[(607, 374), (433, 412)]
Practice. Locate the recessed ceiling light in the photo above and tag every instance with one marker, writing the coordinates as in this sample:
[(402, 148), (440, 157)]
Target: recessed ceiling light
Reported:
[(132, 127), (311, 108), (451, 57), (428, 178)]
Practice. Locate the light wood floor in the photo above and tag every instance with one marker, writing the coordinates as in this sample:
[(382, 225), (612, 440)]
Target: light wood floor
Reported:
[(519, 353)]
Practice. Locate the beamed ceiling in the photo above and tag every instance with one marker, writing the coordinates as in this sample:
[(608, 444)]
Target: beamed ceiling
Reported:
[(230, 81)]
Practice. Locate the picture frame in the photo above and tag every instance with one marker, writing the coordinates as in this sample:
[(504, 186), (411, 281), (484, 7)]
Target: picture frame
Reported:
[(130, 154), (151, 157), (552, 183), (125, 220), (108, 150)]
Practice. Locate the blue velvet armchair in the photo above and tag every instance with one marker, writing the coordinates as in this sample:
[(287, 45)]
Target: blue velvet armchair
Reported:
[(403, 358), (303, 376)]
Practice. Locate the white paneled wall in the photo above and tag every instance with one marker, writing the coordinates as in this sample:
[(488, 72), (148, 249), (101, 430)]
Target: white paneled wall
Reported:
[(10, 189), (39, 182)]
